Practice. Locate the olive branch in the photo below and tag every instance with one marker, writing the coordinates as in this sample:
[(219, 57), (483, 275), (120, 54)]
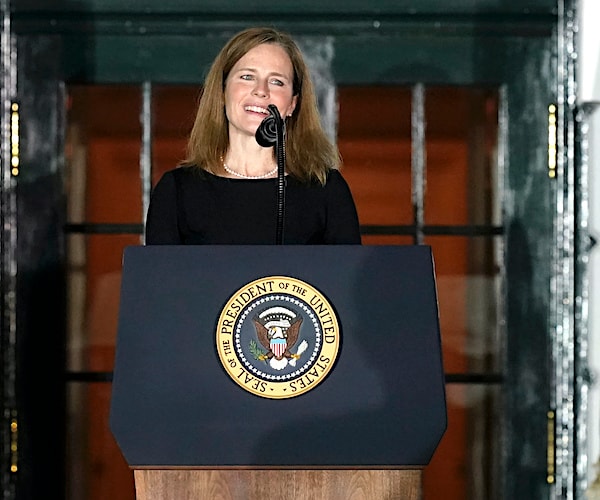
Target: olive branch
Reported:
[(256, 352)]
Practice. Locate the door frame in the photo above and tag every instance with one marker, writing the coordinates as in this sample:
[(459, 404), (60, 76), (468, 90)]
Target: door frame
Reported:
[(459, 46)]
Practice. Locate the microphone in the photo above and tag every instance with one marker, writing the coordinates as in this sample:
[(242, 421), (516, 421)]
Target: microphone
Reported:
[(271, 132), (270, 128)]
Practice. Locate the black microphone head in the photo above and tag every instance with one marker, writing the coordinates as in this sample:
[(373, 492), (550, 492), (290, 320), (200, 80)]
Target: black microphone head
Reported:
[(266, 133), (268, 130)]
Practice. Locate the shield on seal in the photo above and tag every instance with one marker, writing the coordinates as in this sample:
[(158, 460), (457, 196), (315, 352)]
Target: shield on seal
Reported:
[(278, 346)]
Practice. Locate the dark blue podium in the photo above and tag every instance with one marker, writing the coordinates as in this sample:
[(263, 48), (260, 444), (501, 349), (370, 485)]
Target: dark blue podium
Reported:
[(177, 408)]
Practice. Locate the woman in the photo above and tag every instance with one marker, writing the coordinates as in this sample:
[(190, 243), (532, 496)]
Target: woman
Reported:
[(225, 192)]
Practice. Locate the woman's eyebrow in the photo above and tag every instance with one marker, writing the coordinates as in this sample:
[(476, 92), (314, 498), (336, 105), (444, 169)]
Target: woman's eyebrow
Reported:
[(254, 70)]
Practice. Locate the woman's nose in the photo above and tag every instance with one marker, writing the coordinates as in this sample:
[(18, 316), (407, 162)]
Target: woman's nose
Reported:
[(261, 89)]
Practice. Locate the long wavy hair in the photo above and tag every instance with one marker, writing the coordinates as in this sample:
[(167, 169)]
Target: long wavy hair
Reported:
[(309, 152)]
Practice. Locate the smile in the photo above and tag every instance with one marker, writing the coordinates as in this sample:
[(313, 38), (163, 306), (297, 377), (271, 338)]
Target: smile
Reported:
[(256, 109)]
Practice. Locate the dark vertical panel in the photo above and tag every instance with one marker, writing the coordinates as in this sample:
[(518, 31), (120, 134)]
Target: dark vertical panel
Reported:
[(529, 207), (40, 285), (8, 407)]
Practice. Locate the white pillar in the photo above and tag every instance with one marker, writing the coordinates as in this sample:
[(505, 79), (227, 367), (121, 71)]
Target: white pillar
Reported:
[(588, 81)]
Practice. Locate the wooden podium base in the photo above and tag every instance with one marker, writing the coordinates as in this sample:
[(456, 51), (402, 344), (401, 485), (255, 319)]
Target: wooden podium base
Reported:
[(283, 484)]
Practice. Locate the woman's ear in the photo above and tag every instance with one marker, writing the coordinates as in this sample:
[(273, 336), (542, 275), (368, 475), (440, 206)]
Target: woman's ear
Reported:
[(292, 106)]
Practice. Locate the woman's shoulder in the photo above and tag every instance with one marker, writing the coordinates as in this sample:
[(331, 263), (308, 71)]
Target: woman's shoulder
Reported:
[(335, 180), (185, 172), (334, 175), (336, 187)]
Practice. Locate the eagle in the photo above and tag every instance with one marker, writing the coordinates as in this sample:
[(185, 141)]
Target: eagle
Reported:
[(278, 337)]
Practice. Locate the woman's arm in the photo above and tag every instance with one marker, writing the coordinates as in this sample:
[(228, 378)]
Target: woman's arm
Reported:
[(161, 222), (342, 219)]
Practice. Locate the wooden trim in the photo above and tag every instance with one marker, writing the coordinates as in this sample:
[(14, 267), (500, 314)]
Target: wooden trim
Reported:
[(283, 484)]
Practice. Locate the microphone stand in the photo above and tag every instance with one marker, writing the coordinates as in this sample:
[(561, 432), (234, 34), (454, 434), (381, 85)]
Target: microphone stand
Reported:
[(271, 132)]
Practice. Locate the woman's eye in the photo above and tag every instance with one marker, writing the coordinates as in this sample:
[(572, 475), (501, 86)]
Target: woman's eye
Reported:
[(277, 82), (246, 77)]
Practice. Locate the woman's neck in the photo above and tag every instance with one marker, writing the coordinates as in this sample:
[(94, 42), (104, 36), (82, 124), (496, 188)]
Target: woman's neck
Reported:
[(249, 160)]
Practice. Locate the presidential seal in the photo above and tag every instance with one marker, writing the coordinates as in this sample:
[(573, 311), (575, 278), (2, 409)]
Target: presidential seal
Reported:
[(277, 337)]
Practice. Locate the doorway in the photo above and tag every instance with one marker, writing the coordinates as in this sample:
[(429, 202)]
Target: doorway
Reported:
[(443, 128), (450, 201)]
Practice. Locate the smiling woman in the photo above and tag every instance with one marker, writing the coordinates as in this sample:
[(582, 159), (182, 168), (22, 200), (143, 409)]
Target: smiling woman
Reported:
[(264, 75), (225, 192)]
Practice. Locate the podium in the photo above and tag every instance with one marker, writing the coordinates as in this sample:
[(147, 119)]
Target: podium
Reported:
[(201, 409)]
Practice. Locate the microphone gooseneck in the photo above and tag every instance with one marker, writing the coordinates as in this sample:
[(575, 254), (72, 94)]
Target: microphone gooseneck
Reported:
[(271, 133)]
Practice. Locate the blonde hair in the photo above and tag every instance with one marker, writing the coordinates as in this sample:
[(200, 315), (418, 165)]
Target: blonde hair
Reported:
[(309, 152)]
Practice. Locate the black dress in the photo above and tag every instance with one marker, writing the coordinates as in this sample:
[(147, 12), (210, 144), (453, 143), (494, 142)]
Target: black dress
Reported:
[(194, 207)]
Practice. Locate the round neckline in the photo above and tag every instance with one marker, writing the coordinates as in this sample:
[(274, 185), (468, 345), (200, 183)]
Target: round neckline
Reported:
[(240, 179)]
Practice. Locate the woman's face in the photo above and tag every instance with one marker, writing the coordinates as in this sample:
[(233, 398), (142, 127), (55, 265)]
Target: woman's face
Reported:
[(263, 76)]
